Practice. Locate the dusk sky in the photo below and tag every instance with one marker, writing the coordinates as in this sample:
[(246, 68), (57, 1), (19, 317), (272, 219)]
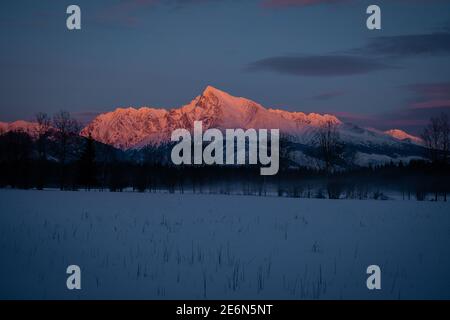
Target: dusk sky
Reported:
[(299, 55)]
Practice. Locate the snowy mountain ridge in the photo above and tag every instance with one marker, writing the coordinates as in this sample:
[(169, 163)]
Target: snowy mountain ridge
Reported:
[(403, 136), (30, 128), (130, 128)]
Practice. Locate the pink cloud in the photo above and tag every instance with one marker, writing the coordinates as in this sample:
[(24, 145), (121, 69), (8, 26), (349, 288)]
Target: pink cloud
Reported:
[(432, 90), (431, 104)]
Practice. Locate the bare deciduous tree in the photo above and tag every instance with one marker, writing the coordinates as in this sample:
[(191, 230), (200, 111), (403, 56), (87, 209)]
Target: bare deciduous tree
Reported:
[(436, 136), (44, 125), (66, 128), (43, 130), (329, 142)]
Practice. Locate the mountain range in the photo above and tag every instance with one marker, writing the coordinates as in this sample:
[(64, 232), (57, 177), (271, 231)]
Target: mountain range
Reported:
[(131, 129)]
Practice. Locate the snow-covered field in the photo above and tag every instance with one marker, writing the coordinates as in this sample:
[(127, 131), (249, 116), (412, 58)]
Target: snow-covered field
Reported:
[(162, 246)]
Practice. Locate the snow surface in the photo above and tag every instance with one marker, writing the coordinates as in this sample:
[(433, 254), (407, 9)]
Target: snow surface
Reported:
[(161, 246)]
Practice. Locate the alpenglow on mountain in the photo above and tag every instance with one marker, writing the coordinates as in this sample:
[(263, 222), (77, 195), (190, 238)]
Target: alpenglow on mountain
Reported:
[(134, 129), (127, 128), (130, 128)]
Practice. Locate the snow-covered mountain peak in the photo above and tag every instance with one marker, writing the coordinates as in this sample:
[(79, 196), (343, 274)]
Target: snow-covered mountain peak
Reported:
[(131, 128), (30, 128), (210, 90), (213, 97), (403, 136), (134, 128)]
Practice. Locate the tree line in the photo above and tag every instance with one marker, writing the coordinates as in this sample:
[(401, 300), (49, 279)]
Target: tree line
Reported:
[(58, 157)]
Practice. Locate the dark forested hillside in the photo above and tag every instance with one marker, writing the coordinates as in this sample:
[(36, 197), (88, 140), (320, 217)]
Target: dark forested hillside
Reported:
[(34, 163)]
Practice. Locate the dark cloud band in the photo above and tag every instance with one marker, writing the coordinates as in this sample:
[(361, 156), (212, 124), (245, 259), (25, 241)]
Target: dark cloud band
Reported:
[(320, 65), (408, 45)]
